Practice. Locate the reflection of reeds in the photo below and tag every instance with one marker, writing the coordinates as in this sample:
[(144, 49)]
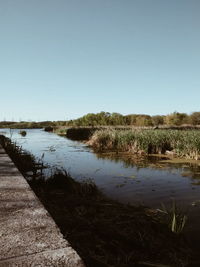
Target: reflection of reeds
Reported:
[(181, 143), (104, 232)]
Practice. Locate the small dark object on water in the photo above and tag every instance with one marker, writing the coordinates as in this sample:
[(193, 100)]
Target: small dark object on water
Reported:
[(48, 129), (23, 133)]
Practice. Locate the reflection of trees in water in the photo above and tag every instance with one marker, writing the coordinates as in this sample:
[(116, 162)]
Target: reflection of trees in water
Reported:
[(115, 157), (129, 160), (193, 171), (188, 169)]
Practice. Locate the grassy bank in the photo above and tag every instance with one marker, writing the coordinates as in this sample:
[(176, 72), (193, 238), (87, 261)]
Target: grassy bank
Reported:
[(84, 133), (180, 143), (104, 232)]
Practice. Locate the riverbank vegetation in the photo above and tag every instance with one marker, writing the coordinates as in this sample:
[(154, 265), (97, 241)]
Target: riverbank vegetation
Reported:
[(104, 232), (113, 119), (141, 120), (174, 142), (30, 125), (81, 133)]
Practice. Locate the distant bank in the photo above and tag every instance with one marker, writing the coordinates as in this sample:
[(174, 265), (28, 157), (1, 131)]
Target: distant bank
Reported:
[(112, 119)]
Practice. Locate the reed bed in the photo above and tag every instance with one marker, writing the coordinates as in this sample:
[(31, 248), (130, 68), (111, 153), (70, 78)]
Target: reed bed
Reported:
[(180, 143)]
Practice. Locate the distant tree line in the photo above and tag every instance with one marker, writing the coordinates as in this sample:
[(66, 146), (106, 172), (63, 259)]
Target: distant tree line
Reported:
[(113, 119), (31, 125)]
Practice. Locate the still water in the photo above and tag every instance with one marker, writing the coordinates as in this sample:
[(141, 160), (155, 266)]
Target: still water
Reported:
[(118, 176)]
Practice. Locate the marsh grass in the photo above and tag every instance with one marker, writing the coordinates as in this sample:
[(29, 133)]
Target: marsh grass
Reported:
[(175, 217), (180, 143)]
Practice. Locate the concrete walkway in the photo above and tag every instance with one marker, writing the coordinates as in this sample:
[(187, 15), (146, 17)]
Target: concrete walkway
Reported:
[(28, 235)]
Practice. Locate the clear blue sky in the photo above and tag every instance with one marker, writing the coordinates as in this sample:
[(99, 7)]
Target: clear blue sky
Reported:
[(61, 59)]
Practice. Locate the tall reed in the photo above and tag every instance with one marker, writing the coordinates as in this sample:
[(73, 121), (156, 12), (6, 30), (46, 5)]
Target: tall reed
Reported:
[(182, 143)]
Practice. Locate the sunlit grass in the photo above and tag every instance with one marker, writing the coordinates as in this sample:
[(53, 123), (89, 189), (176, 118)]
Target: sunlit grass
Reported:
[(181, 143), (175, 217)]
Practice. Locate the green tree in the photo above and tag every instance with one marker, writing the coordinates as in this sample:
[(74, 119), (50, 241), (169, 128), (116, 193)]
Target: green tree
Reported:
[(143, 120), (195, 118), (176, 118), (157, 120)]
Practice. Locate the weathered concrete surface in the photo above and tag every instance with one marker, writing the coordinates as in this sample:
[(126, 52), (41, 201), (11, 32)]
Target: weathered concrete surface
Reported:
[(28, 235)]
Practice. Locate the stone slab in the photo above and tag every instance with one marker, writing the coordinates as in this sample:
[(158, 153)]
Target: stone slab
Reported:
[(61, 257)]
